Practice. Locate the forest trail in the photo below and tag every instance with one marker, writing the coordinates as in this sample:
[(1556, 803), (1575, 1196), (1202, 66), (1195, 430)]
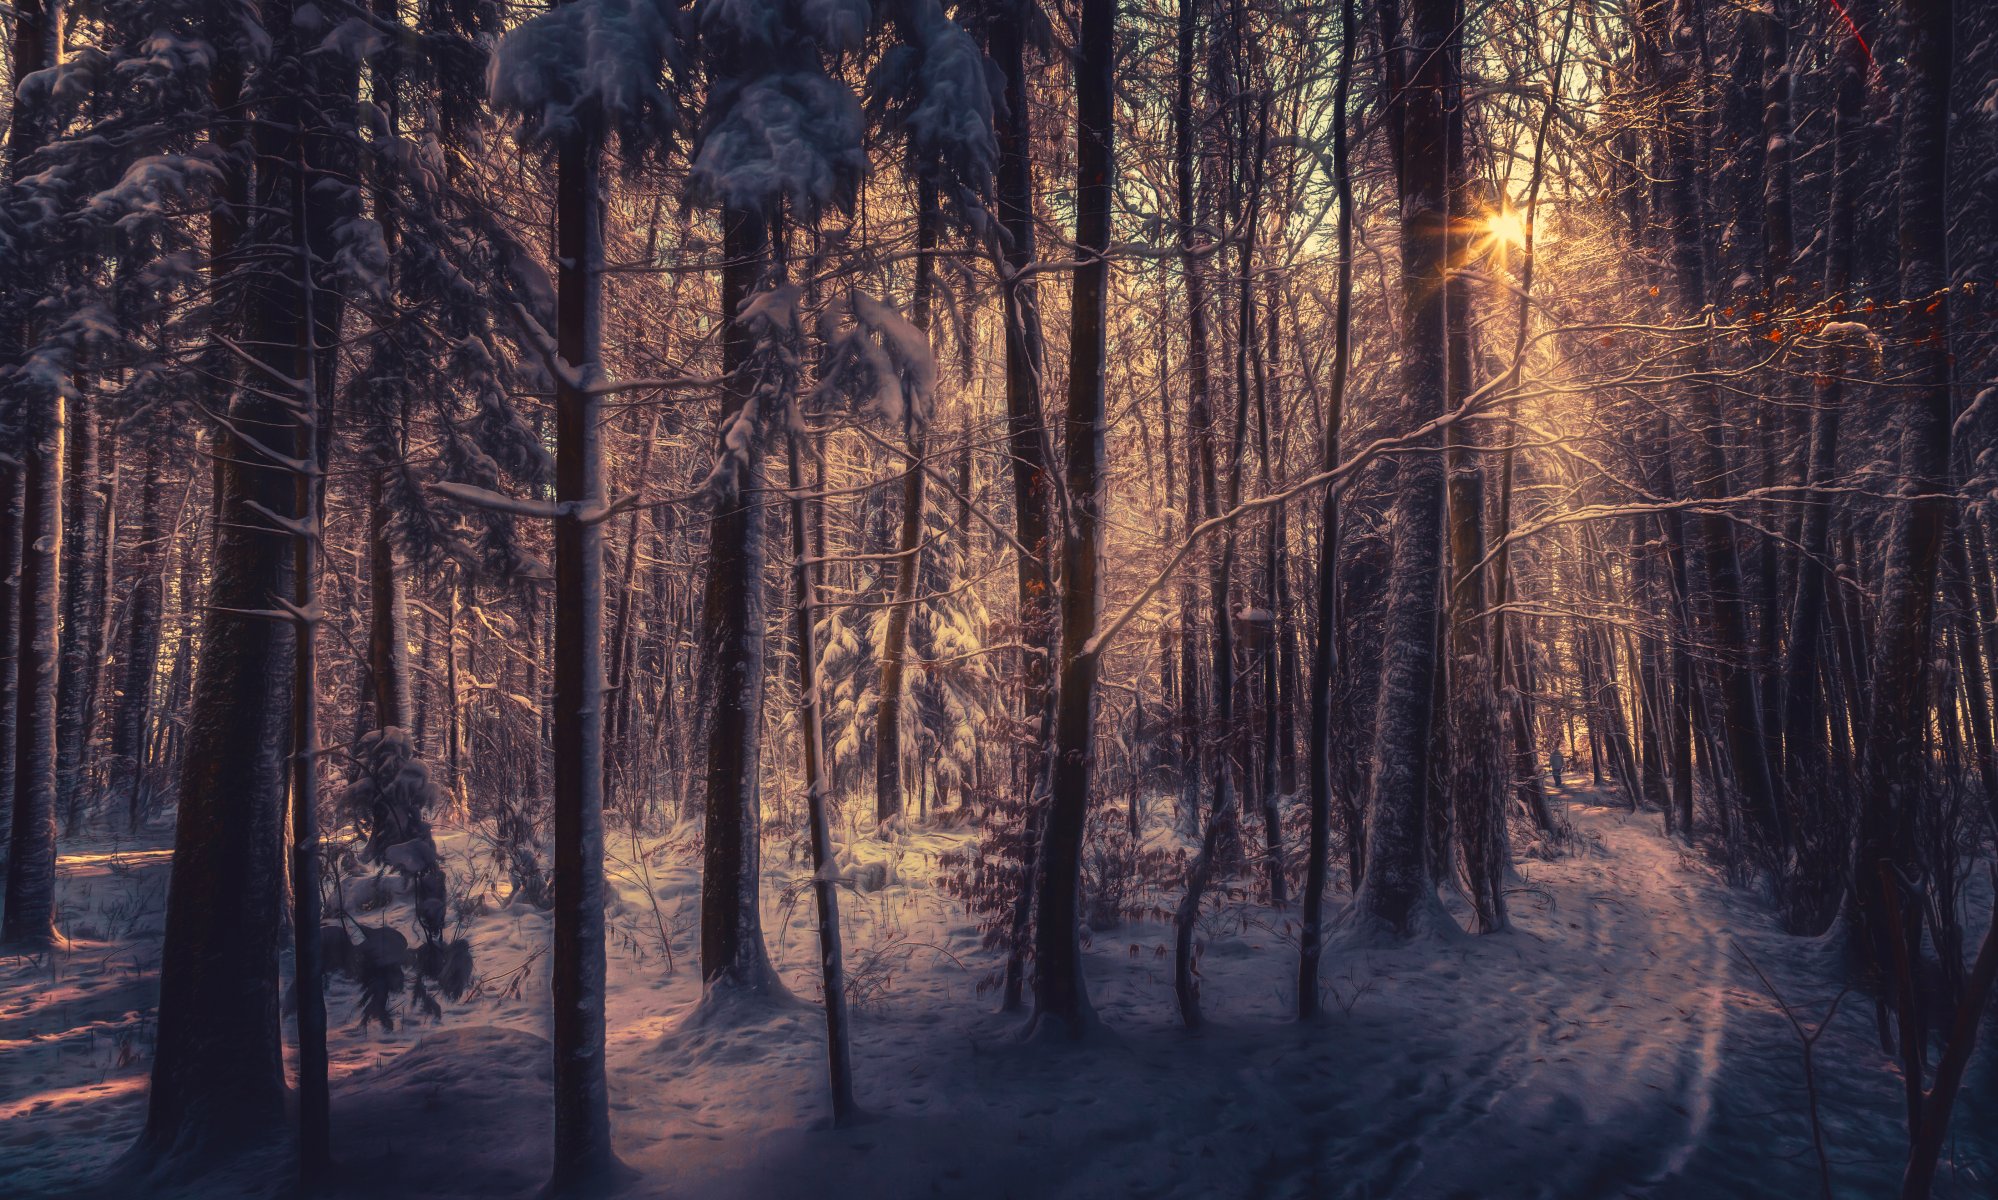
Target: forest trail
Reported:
[(1615, 1043)]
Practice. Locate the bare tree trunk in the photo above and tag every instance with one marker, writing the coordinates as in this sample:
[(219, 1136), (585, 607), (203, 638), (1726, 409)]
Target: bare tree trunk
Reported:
[(218, 1074), (732, 951), (1398, 888), (908, 552), (825, 868), (27, 908), (10, 630), (31, 853), (584, 1159), (1060, 996), (145, 610), (1026, 444), (83, 555), (315, 1137), (1895, 763), (1324, 648), (1475, 786)]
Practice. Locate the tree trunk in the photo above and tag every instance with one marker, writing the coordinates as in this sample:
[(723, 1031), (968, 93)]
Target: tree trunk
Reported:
[(1740, 701), (1475, 786), (1398, 892), (27, 892), (1895, 764), (908, 552), (314, 1100), (1026, 446), (1324, 647), (584, 1160), (732, 952), (1060, 996), (83, 554), (131, 703), (825, 867), (218, 1075)]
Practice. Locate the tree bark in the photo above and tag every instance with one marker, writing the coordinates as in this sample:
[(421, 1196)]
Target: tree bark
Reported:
[(732, 951), (1026, 447), (218, 1074), (1895, 762), (584, 1159), (825, 867), (1398, 891), (1060, 995), (82, 652), (1324, 647), (27, 907), (908, 552)]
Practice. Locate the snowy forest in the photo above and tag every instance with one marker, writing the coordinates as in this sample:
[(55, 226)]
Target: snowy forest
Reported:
[(999, 598)]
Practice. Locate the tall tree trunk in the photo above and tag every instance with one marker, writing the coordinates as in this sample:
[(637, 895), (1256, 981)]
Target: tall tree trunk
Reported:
[(83, 554), (1895, 764), (1398, 891), (1026, 447), (825, 867), (314, 1100), (1060, 997), (732, 951), (1740, 702), (1324, 647), (10, 629), (584, 1160), (144, 612), (27, 908), (1475, 786), (218, 1075), (908, 551)]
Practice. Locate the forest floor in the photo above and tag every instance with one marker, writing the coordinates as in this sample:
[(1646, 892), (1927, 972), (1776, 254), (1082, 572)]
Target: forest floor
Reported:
[(1616, 1043)]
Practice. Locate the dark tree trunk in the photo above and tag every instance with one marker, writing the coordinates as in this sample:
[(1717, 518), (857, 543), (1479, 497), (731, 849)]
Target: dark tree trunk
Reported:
[(908, 552), (584, 1159), (825, 884), (1324, 647), (10, 554), (27, 907), (82, 653), (1475, 786), (1895, 764), (31, 852), (1398, 891), (1026, 446), (218, 1076), (1739, 698), (732, 952), (131, 703), (1060, 997)]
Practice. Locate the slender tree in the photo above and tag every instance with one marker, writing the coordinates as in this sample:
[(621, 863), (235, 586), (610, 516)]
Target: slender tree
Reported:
[(1061, 999)]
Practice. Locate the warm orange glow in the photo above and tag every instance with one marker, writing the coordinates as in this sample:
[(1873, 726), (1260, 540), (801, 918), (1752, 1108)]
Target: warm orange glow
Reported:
[(1507, 227)]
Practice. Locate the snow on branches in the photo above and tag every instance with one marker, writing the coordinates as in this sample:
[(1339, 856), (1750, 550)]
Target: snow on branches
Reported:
[(877, 360), (598, 65)]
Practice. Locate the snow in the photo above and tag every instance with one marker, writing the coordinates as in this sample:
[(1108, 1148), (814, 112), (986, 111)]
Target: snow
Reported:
[(590, 61), (792, 135), (878, 358), (1615, 1044)]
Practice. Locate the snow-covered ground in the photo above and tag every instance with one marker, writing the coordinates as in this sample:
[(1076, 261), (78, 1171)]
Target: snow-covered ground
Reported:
[(1617, 1043)]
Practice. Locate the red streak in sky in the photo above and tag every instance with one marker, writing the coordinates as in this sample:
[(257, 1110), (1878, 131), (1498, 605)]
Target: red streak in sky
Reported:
[(1856, 35)]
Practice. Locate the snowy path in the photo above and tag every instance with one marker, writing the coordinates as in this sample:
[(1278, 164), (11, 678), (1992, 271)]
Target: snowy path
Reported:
[(1612, 1045)]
